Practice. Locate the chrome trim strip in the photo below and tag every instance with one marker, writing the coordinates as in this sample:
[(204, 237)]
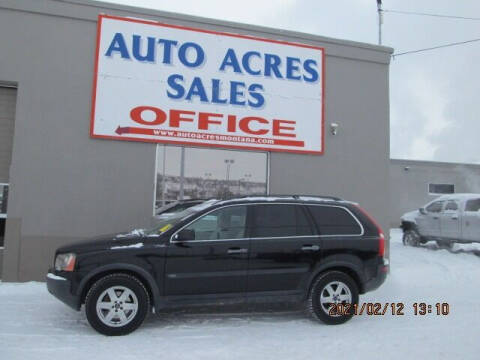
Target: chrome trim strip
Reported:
[(270, 238)]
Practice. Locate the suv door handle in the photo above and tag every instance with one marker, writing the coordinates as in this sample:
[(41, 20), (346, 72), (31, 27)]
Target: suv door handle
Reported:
[(237, 251), (310, 248), (435, 217), (454, 217)]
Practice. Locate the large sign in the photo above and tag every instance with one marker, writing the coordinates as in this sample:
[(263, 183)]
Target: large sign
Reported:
[(172, 84)]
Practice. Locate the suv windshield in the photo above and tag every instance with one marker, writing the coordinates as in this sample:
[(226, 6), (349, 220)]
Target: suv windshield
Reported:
[(163, 225)]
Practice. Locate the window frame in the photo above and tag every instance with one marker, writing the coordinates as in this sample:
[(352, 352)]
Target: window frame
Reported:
[(4, 215), (165, 145), (438, 193), (249, 223)]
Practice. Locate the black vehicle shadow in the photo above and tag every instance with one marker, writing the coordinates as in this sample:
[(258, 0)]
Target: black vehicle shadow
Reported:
[(215, 314)]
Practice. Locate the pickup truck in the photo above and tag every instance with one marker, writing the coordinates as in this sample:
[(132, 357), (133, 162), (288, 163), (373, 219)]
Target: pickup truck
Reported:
[(449, 219)]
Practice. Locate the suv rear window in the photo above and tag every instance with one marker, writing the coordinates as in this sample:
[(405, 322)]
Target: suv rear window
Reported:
[(280, 220), (333, 220), (472, 205)]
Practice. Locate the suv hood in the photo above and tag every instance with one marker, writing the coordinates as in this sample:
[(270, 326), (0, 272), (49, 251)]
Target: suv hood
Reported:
[(104, 242)]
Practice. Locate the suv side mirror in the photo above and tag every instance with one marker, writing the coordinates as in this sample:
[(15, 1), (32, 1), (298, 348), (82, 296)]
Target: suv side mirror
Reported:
[(185, 235), (422, 211)]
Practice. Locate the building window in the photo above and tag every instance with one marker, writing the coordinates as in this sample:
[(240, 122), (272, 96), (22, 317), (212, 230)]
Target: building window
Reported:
[(208, 173), (435, 189), (3, 211)]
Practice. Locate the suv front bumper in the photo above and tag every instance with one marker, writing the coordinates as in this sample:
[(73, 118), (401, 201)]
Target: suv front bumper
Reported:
[(60, 287)]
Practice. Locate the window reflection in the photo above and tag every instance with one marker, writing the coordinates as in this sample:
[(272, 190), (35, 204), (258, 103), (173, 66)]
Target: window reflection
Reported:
[(208, 173)]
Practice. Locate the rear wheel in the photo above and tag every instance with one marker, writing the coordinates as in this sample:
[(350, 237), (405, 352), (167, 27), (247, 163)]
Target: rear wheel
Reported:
[(329, 290), (117, 304)]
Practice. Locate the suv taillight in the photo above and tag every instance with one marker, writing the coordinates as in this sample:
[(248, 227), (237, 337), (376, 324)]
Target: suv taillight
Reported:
[(381, 243), (381, 235)]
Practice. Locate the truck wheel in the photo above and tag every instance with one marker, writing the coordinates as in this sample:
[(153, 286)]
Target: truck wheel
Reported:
[(117, 304), (445, 244), (411, 238), (328, 291)]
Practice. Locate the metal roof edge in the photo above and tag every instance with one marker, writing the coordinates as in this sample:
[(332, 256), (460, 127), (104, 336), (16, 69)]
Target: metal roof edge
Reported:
[(431, 162)]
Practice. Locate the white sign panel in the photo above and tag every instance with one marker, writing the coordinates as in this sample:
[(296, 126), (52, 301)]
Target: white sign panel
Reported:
[(171, 84)]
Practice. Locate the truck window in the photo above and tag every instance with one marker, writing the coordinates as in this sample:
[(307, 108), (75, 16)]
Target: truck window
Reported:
[(472, 205), (451, 205), (435, 207)]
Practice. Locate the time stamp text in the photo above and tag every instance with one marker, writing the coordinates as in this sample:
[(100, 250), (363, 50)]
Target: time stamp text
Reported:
[(395, 309)]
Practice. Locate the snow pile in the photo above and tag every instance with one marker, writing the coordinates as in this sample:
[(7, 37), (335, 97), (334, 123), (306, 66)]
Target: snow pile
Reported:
[(134, 232), (202, 206), (55, 277), (34, 325)]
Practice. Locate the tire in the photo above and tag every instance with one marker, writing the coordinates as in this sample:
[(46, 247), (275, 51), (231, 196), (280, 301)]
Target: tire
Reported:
[(411, 238), (322, 286), (117, 304), (445, 244)]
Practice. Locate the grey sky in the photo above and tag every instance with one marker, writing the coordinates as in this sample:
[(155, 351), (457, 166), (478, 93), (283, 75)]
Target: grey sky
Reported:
[(434, 110)]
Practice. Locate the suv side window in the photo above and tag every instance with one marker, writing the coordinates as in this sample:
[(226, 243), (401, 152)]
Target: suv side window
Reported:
[(333, 220), (435, 207), (472, 205), (280, 220), (227, 223), (451, 205)]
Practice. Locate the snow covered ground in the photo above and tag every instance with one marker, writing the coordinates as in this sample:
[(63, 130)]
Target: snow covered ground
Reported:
[(34, 325)]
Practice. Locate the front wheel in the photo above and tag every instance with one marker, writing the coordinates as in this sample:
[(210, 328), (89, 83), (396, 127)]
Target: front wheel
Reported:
[(411, 238), (117, 304), (328, 291)]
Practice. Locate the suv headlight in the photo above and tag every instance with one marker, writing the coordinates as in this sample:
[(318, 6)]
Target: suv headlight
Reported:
[(65, 262)]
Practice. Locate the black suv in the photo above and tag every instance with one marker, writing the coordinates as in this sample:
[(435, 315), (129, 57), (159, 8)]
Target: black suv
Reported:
[(320, 250)]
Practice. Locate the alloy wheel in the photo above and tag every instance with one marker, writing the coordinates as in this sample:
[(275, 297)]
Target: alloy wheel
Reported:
[(335, 292), (117, 306)]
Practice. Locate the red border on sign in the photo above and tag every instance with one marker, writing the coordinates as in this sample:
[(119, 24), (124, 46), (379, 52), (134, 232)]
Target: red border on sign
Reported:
[(249, 37)]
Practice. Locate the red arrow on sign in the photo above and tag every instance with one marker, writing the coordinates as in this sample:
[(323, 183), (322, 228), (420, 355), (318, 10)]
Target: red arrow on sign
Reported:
[(134, 130), (122, 130)]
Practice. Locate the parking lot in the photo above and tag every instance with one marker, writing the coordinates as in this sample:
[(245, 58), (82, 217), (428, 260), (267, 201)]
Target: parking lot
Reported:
[(34, 325)]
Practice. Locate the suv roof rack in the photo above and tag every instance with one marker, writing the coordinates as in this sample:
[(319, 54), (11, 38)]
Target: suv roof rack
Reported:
[(327, 197), (293, 196)]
